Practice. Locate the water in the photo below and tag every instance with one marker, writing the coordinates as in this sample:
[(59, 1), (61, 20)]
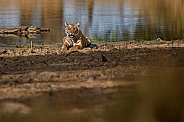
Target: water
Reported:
[(102, 20)]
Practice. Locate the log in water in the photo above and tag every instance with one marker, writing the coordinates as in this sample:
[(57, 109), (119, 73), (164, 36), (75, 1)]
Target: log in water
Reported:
[(24, 31)]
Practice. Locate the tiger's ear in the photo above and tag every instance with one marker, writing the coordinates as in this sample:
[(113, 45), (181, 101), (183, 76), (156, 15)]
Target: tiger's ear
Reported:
[(66, 24), (78, 24)]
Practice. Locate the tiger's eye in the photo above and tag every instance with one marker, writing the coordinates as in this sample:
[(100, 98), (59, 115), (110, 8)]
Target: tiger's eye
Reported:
[(69, 26)]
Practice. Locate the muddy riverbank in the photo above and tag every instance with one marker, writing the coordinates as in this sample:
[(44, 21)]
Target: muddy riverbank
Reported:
[(29, 72), (44, 83)]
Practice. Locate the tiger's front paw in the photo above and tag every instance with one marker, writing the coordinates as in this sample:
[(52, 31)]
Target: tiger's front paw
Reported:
[(64, 47), (74, 48)]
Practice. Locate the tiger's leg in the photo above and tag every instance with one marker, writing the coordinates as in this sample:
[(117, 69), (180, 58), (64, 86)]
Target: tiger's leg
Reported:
[(64, 47), (65, 43), (76, 47), (88, 40)]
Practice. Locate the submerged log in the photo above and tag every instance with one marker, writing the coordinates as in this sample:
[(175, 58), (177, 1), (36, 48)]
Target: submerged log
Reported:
[(11, 31), (24, 31)]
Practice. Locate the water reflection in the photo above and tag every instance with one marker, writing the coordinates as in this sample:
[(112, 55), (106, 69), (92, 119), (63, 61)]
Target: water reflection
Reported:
[(116, 20)]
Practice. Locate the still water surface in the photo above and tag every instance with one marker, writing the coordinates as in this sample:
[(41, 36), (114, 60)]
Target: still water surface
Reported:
[(102, 20)]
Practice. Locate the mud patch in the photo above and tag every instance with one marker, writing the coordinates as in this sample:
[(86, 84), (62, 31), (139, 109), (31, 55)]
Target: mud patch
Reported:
[(85, 85), (24, 73)]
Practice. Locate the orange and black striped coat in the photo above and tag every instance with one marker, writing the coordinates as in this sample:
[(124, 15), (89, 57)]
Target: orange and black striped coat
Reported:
[(74, 38)]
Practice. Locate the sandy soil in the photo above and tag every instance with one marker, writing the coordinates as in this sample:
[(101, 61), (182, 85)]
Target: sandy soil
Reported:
[(26, 72)]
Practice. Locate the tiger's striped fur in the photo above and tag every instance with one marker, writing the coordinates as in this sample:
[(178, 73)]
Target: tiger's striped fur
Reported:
[(74, 38)]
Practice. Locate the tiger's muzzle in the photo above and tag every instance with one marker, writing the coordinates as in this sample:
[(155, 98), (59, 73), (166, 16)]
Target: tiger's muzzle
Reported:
[(71, 35)]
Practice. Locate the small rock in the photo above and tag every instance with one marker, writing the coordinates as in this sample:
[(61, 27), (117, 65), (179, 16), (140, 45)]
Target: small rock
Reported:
[(32, 51), (92, 78), (3, 52), (26, 80), (159, 40), (96, 89), (104, 59)]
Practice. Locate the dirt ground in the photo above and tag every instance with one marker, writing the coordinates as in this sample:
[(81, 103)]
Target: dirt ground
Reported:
[(26, 72), (111, 82)]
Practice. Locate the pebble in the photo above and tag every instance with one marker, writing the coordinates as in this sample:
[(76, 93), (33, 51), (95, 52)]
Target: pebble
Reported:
[(26, 80), (92, 78), (96, 89)]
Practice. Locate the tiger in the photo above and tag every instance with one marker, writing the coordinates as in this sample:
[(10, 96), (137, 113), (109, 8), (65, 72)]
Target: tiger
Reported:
[(74, 38)]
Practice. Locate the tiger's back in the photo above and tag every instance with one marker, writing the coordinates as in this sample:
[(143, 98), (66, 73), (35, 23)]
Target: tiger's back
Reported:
[(74, 38)]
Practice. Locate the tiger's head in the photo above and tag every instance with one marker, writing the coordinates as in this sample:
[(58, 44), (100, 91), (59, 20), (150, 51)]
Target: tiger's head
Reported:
[(72, 30)]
